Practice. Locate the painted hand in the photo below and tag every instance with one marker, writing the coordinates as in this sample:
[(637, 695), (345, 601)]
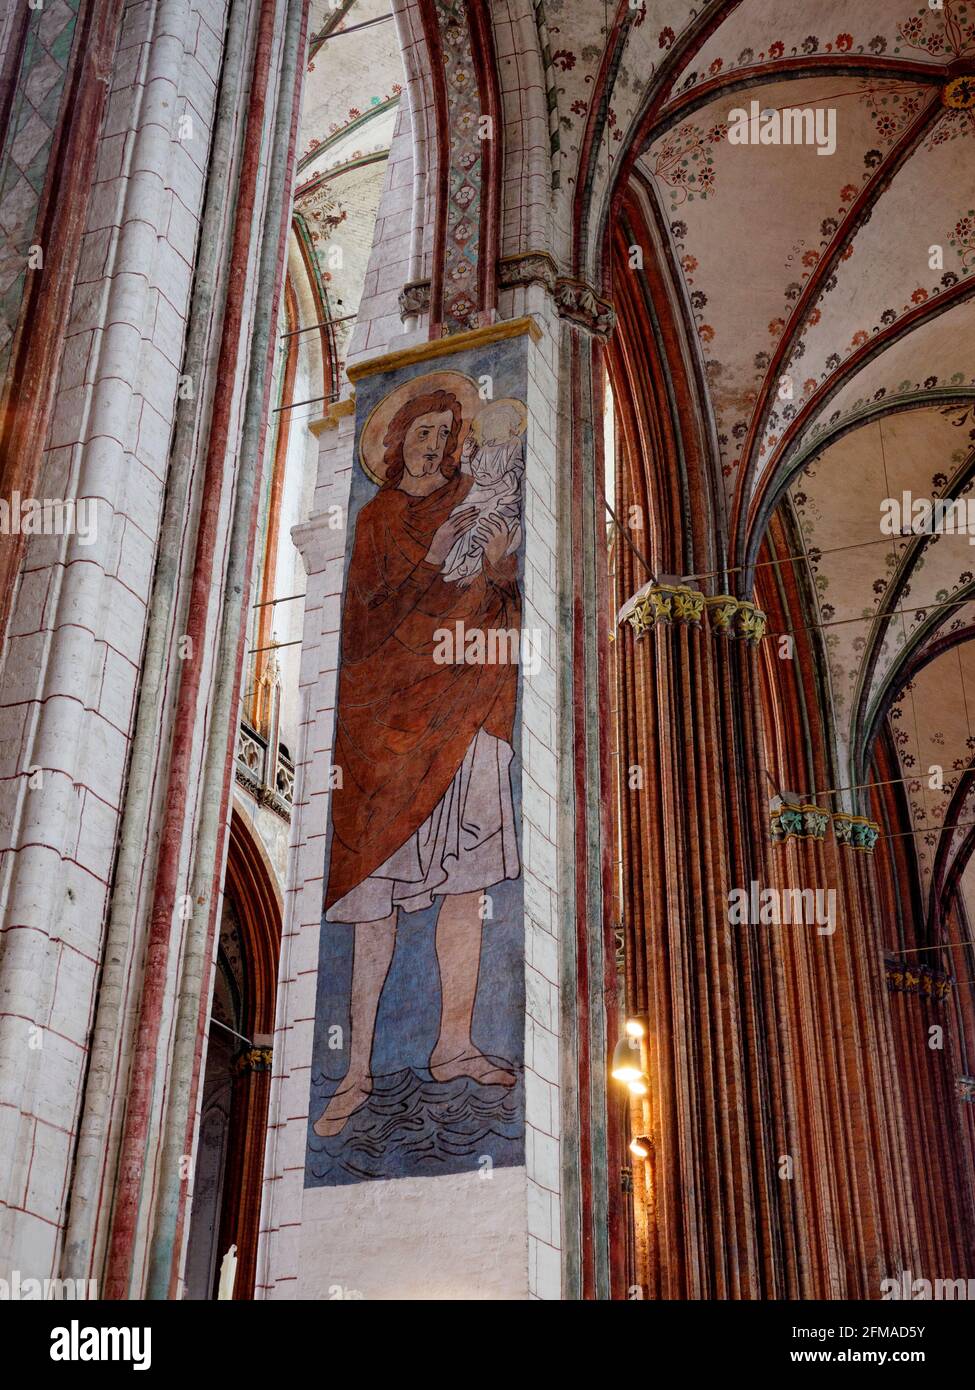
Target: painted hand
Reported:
[(448, 532), (496, 537)]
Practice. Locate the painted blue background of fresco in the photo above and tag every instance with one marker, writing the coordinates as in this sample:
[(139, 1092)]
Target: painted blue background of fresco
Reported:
[(413, 1126)]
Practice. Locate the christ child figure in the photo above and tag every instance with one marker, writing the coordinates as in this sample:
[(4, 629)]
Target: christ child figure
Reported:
[(493, 456)]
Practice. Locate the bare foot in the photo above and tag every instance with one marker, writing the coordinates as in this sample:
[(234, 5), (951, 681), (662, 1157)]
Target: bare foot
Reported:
[(470, 1062), (342, 1106)]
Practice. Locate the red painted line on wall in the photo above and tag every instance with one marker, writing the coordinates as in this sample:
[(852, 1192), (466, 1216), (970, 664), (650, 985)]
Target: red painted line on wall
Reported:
[(492, 155), (33, 377), (431, 32)]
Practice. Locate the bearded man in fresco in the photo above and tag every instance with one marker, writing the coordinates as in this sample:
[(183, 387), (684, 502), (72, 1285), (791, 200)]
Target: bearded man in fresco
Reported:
[(424, 809)]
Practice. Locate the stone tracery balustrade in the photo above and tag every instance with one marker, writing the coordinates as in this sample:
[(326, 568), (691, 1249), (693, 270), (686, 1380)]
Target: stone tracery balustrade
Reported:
[(273, 787)]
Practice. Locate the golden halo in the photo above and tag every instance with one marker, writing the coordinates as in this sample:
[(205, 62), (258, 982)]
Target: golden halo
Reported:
[(379, 418)]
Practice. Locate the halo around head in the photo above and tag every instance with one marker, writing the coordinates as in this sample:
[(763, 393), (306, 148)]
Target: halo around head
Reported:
[(378, 420), (507, 404)]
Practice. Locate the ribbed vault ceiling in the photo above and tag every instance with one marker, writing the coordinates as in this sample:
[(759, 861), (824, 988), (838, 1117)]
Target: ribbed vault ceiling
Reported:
[(830, 298)]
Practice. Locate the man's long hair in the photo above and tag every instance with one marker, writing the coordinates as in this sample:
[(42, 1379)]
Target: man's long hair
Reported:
[(434, 403)]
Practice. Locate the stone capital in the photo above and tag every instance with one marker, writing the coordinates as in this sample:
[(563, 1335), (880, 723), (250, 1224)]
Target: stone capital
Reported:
[(319, 540), (414, 299), (575, 300), (803, 822), (856, 831), (335, 412), (659, 601), (253, 1059), (912, 977), (662, 603)]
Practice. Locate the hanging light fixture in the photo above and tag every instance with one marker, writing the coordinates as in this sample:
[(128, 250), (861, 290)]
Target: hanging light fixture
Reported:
[(640, 1146), (627, 1066)]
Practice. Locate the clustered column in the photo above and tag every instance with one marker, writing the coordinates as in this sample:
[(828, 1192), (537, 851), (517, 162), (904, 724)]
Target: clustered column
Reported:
[(777, 1163), (719, 1101)]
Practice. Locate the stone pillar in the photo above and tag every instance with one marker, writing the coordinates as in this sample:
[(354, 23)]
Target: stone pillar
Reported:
[(436, 1185), (924, 1026), (720, 1102), (796, 833), (753, 951), (74, 650), (876, 1088)]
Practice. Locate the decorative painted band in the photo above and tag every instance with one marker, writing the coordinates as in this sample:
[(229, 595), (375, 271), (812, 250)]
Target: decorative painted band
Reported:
[(666, 603), (805, 822), (446, 347), (911, 978), (856, 831)]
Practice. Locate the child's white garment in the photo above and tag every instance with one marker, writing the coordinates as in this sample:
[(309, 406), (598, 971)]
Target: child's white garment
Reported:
[(497, 470)]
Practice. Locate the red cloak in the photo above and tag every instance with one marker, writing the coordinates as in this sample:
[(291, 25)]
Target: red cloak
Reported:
[(405, 721)]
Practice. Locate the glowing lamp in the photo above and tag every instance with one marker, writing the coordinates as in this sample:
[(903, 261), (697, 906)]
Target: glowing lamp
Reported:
[(626, 1061)]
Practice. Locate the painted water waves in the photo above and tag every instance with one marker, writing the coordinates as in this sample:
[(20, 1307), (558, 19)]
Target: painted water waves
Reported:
[(418, 1057)]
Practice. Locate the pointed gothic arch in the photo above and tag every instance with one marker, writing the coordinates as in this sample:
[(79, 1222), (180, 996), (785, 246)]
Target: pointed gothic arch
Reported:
[(236, 1084)]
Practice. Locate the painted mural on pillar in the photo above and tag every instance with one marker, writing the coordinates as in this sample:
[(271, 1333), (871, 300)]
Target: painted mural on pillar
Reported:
[(417, 1066)]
